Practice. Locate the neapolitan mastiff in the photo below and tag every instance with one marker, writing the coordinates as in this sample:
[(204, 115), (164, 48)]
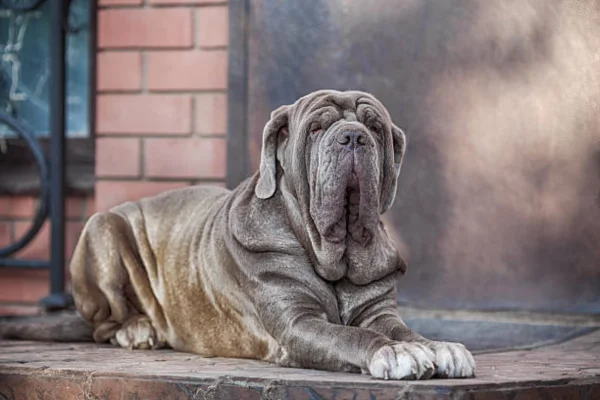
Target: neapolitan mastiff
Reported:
[(294, 266)]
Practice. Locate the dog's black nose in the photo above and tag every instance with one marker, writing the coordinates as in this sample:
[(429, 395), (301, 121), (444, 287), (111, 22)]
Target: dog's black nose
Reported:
[(355, 138)]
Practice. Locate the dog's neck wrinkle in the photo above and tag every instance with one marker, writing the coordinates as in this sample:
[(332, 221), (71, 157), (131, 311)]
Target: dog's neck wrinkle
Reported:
[(331, 261), (326, 257), (301, 222), (335, 261)]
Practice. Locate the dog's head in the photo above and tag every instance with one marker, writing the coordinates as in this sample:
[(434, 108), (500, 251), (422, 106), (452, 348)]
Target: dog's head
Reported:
[(340, 154)]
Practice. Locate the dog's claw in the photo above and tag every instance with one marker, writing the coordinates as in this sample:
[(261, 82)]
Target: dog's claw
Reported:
[(403, 361), (453, 360)]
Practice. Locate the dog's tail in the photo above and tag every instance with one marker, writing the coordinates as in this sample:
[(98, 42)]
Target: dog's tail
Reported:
[(54, 327)]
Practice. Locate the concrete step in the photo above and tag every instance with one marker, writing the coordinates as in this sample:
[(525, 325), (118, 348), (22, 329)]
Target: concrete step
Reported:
[(59, 371)]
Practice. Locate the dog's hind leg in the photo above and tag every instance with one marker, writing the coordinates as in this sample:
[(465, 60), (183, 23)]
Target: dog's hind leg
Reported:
[(104, 260)]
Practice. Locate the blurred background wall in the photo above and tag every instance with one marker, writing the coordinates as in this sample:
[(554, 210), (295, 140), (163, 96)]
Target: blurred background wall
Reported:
[(499, 197), (498, 202)]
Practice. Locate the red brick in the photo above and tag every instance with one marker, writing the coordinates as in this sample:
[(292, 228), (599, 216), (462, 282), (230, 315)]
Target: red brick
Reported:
[(117, 157), (593, 393), (119, 2), (18, 285), (18, 206), (185, 158), (548, 393), (74, 207), (178, 2), (213, 28), (147, 28), (26, 207), (39, 247), (211, 114), (144, 114), (186, 70), (119, 71), (73, 231), (90, 208), (8, 309), (112, 193), (5, 237)]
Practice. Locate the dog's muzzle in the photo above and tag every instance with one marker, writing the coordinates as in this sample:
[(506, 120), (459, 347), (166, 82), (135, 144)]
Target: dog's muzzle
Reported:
[(351, 138)]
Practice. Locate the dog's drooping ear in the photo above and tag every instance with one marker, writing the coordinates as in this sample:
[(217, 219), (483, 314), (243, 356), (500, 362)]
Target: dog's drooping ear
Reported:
[(399, 145), (267, 182)]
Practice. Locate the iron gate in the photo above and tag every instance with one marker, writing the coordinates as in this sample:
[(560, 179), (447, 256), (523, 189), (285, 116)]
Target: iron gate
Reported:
[(50, 167)]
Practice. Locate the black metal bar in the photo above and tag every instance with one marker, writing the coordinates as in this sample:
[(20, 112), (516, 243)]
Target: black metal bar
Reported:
[(238, 163), (25, 264), (58, 25), (93, 45), (42, 210)]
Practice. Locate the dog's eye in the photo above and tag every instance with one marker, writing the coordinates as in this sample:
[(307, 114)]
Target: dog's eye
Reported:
[(375, 128), (315, 129)]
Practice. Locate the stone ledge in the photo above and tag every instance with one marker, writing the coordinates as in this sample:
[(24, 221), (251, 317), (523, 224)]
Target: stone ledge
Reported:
[(47, 371)]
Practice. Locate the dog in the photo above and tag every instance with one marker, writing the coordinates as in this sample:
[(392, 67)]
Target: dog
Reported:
[(293, 267)]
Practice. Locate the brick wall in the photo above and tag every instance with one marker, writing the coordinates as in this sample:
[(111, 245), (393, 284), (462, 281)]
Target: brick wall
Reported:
[(160, 120), (161, 110), (20, 290)]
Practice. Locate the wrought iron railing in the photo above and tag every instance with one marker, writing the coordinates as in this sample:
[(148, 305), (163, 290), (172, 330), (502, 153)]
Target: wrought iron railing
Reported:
[(51, 168)]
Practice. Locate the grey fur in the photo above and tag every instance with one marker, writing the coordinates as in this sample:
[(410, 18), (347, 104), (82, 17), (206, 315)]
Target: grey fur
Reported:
[(294, 266)]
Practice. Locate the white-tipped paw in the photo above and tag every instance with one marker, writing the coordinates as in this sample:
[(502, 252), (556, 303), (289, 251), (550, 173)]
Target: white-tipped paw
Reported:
[(137, 333), (453, 360), (403, 361)]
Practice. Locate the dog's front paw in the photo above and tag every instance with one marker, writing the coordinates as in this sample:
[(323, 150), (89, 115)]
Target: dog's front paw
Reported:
[(453, 360), (403, 361)]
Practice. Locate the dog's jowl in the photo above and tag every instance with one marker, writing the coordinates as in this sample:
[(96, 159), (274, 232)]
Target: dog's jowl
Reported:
[(294, 266)]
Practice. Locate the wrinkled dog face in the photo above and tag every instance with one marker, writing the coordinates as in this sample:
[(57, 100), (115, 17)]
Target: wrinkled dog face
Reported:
[(342, 154)]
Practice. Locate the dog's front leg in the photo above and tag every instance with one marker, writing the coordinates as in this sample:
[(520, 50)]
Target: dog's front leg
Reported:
[(309, 340), (378, 311)]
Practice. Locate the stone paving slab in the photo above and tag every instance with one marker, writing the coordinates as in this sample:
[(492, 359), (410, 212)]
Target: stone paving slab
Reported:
[(44, 371)]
